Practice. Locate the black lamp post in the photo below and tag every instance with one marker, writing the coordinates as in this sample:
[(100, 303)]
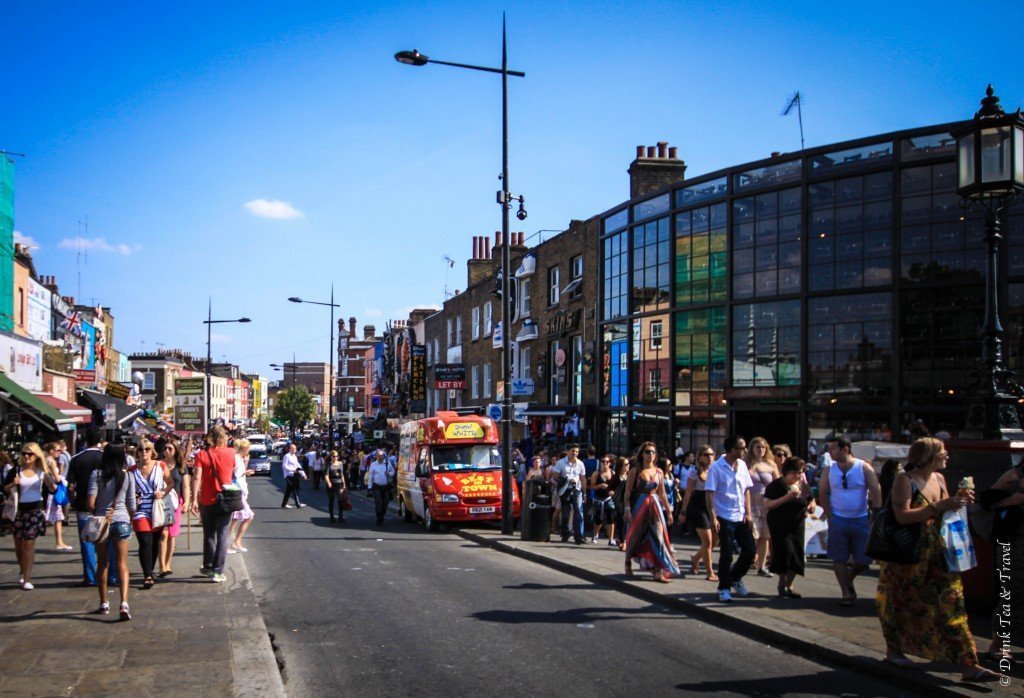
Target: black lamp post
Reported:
[(330, 365), (210, 322), (990, 172), (505, 199)]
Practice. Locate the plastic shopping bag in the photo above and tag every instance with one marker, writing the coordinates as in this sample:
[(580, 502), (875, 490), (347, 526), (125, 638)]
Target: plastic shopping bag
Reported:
[(960, 555)]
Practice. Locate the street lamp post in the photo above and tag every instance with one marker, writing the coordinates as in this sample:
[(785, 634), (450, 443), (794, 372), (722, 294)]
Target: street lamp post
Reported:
[(505, 199), (990, 172), (330, 365), (210, 322)]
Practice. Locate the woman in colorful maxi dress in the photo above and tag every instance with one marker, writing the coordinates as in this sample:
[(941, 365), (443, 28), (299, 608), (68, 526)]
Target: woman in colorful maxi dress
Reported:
[(647, 538), (921, 606)]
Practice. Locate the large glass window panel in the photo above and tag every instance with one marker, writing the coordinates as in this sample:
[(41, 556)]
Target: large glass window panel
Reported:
[(615, 364), (650, 266), (769, 175), (851, 158), (700, 256), (850, 341), (700, 357), (615, 276), (704, 191), (932, 145), (651, 361), (766, 344), (616, 221)]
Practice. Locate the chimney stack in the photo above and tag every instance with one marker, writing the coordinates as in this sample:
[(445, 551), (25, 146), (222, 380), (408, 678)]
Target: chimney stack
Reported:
[(369, 333), (352, 327), (481, 266), (654, 168)]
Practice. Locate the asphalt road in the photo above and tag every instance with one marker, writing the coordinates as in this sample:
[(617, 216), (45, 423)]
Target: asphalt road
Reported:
[(361, 610)]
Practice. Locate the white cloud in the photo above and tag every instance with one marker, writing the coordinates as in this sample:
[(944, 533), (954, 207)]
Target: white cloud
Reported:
[(266, 208), (373, 312), (97, 245), (25, 240)]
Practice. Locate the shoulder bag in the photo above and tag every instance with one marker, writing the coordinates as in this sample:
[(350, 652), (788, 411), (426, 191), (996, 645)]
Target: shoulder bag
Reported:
[(96, 529), (11, 502), (891, 541), (229, 499)]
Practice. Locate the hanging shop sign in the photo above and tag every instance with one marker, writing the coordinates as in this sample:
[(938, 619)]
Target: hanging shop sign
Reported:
[(450, 376), (418, 379), (563, 322), (22, 361), (190, 404)]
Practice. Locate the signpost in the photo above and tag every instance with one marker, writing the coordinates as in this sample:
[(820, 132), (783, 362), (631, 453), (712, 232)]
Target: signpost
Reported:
[(494, 411), (190, 404)]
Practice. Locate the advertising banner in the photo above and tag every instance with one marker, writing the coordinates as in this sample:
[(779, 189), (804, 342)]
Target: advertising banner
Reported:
[(22, 361), (418, 379), (190, 404), (450, 376), (39, 311)]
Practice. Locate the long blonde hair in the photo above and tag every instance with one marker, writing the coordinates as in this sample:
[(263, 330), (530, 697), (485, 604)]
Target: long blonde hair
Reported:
[(922, 452), (767, 451)]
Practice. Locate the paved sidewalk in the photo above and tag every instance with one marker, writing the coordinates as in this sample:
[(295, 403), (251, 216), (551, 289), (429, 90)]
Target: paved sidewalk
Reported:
[(187, 634), (815, 625)]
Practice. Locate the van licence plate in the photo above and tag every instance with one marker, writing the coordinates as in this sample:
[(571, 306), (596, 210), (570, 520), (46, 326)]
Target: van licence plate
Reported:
[(482, 510)]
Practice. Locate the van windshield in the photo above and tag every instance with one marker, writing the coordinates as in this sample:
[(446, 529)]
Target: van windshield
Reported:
[(474, 457)]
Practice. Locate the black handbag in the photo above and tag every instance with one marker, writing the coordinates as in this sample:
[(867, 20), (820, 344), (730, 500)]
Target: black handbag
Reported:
[(228, 500), (891, 541)]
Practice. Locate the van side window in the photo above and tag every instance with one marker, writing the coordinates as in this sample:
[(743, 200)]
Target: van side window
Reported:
[(424, 463)]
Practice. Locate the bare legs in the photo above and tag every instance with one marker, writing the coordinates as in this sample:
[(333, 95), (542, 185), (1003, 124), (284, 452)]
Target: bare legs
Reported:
[(25, 551), (761, 556), (166, 551), (120, 559), (704, 553), (243, 526)]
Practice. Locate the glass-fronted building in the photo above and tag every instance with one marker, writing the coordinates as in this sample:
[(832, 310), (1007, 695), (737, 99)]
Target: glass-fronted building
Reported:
[(839, 289)]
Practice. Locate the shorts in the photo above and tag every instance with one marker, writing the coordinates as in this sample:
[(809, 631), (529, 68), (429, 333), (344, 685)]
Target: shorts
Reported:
[(119, 530), (848, 537), (604, 511), (29, 524)]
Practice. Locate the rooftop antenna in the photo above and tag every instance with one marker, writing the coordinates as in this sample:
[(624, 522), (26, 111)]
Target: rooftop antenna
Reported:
[(796, 99), (448, 278), (82, 253)]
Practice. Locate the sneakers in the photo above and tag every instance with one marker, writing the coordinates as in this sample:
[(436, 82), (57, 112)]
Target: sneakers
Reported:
[(240, 549), (612, 541), (218, 578), (763, 572), (724, 596), (27, 586), (287, 506), (206, 572), (125, 613), (740, 589), (103, 610), (231, 551), (301, 506), (595, 539)]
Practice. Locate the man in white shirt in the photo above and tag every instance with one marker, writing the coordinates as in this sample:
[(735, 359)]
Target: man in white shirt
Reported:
[(728, 496), (572, 488), (315, 463), (379, 475), (292, 476)]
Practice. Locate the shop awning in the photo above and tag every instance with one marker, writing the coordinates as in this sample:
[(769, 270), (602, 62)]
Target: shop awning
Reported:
[(98, 401), (32, 405), (77, 413)]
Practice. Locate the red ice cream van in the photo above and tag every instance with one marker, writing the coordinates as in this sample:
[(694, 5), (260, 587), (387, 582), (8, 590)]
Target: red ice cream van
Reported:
[(449, 470)]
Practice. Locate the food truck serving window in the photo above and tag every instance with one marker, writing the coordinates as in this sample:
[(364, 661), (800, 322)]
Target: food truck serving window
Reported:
[(475, 457)]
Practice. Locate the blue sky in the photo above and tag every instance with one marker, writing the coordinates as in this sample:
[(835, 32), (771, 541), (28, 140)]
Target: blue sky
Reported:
[(252, 151)]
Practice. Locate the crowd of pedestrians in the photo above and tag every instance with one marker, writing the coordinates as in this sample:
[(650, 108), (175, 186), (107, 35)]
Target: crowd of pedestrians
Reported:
[(116, 490)]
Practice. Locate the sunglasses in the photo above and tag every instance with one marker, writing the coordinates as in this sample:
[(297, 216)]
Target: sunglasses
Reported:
[(780, 454), (845, 485), (27, 453), (650, 452)]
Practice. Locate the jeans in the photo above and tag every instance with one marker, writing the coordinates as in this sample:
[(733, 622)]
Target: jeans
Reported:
[(380, 502), (333, 494), (291, 488), (215, 536), (149, 550), (318, 475), (737, 532), (575, 501), (89, 555)]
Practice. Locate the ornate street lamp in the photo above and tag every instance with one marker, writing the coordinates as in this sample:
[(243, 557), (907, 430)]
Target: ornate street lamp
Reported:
[(990, 172)]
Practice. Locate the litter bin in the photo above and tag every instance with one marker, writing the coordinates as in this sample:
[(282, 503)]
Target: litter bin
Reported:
[(536, 517)]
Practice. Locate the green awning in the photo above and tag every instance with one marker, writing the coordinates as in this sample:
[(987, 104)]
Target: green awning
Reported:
[(50, 417)]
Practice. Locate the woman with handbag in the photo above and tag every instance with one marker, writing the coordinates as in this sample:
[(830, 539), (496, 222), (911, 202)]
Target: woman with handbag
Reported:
[(335, 481), (240, 520), (152, 483), (174, 457), (112, 493), (695, 513), (214, 468), (57, 511), (921, 605), (29, 482)]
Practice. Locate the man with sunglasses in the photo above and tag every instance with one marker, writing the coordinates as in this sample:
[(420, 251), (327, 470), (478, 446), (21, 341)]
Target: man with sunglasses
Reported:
[(847, 488), (728, 500)]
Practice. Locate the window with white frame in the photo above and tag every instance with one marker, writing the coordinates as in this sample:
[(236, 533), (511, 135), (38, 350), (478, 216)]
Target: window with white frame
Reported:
[(487, 381), (430, 356), (657, 330), (474, 382), (554, 285), (475, 322), (451, 332), (524, 362), (437, 351), (524, 297), (488, 318), (458, 329), (149, 381), (576, 270)]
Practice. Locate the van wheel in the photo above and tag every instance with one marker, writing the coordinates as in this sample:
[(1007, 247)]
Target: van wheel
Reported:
[(403, 511), (428, 520)]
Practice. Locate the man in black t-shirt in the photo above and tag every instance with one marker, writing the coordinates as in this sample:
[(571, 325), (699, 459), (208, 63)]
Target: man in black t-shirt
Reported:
[(79, 470)]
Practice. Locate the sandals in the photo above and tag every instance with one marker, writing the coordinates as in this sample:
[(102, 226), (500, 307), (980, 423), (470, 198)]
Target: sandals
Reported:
[(661, 579), (165, 573), (629, 571), (694, 564), (712, 577), (148, 583), (980, 675)]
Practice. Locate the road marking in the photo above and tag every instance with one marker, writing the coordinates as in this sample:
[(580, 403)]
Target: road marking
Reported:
[(585, 626), (356, 569)]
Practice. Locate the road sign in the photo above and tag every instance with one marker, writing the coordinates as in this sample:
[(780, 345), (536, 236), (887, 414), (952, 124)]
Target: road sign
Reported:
[(494, 412)]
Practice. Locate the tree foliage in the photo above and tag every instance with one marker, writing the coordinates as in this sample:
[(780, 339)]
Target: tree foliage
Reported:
[(294, 406)]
